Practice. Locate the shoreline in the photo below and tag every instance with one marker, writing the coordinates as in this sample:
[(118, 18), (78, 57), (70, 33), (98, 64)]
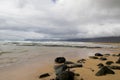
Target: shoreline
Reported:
[(38, 64)]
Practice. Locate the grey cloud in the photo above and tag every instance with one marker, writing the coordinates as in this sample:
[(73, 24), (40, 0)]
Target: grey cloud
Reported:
[(108, 3), (63, 19)]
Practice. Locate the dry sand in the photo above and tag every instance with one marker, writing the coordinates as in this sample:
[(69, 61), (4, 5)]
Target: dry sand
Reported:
[(30, 70)]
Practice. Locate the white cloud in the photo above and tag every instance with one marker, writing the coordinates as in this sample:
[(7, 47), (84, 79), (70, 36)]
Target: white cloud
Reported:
[(20, 35), (63, 19)]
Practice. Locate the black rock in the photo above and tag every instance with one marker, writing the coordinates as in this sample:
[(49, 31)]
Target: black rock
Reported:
[(103, 58), (66, 75), (69, 62), (116, 55), (77, 74), (98, 54), (60, 60), (103, 71), (100, 65), (60, 68), (81, 79), (93, 57), (115, 67), (109, 62), (44, 75)]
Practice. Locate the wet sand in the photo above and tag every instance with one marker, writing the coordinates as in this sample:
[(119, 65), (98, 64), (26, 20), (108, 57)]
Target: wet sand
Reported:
[(30, 65)]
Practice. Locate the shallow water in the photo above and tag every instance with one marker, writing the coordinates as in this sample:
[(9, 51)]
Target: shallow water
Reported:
[(12, 53)]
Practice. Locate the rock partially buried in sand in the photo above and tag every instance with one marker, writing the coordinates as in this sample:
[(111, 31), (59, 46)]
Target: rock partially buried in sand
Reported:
[(109, 62), (60, 60), (93, 57), (98, 54), (44, 75), (100, 65), (116, 55), (66, 75), (115, 67), (77, 74), (103, 58), (103, 71)]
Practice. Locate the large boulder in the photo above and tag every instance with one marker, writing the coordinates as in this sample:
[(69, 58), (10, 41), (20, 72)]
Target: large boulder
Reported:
[(60, 68), (103, 71), (66, 75), (60, 60)]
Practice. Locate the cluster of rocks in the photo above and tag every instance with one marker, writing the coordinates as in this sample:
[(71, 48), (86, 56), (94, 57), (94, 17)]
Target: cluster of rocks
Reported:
[(99, 56), (104, 70), (108, 67), (63, 67), (62, 70)]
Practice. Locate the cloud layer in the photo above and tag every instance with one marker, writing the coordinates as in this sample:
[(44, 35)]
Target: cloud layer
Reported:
[(59, 19)]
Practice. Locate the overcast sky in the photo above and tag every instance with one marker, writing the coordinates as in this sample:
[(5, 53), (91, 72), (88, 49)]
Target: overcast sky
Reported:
[(59, 19)]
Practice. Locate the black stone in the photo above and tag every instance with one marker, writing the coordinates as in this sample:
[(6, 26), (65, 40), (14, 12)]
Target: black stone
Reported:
[(115, 67), (69, 62), (109, 62), (77, 74), (117, 55), (98, 54), (60, 68), (103, 71), (114, 55), (93, 57), (100, 65), (60, 60), (44, 75), (103, 58), (66, 75)]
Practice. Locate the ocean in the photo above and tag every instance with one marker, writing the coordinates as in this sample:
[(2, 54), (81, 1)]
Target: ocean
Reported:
[(19, 52)]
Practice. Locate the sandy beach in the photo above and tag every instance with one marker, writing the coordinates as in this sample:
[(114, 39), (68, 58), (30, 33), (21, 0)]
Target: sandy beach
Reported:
[(29, 62)]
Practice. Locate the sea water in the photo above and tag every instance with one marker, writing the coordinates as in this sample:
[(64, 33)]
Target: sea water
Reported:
[(17, 52)]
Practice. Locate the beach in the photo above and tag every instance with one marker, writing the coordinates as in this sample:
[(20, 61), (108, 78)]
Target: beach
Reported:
[(28, 61)]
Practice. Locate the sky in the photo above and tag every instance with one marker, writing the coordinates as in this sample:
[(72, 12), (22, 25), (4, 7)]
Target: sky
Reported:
[(58, 19)]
